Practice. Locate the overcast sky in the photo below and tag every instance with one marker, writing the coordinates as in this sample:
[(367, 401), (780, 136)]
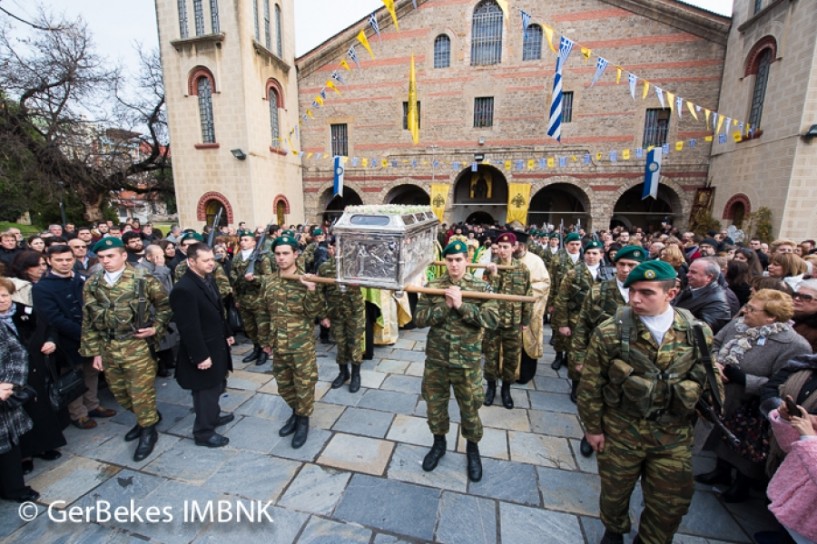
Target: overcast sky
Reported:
[(117, 25)]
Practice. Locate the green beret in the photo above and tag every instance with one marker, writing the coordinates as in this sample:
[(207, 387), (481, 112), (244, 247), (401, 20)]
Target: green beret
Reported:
[(633, 253), (533, 232), (288, 232), (553, 236), (285, 240), (245, 232), (457, 246), (651, 271), (109, 242), (317, 232), (593, 244), (573, 237), (192, 236)]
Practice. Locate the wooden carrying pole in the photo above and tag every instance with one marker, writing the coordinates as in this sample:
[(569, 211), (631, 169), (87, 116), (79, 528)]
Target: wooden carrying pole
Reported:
[(424, 290), (479, 265)]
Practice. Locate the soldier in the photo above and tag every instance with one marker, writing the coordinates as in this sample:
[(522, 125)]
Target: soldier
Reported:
[(117, 341), (641, 380), (347, 322), (222, 281), (247, 289), (573, 288), (503, 347), (549, 253), (286, 329), (453, 355), (599, 305), (307, 258), (560, 265)]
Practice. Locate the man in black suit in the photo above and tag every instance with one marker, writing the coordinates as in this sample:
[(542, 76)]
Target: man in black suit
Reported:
[(204, 353)]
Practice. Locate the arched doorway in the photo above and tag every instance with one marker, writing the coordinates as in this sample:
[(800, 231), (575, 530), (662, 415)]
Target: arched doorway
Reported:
[(408, 195), (334, 205), (211, 209), (737, 208), (631, 211), (480, 218), (485, 191), (557, 203)]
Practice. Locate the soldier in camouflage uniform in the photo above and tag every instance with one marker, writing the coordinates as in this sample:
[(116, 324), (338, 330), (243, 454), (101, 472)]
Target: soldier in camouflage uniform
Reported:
[(641, 380), (247, 289), (306, 260), (560, 264), (347, 322), (503, 347), (453, 353), (286, 330), (111, 337), (222, 281), (599, 305)]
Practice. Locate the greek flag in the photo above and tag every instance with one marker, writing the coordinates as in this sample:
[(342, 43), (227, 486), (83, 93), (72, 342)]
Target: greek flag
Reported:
[(652, 173), (352, 54), (555, 120), (631, 80), (337, 184), (375, 26), (414, 3), (525, 19), (337, 77), (601, 66)]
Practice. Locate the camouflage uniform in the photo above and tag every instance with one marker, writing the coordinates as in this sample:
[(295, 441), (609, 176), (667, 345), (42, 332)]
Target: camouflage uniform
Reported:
[(222, 281), (573, 289), (507, 339), (599, 305), (560, 265), (346, 311), (247, 293), (287, 324), (108, 324), (307, 256), (643, 400), (453, 353)]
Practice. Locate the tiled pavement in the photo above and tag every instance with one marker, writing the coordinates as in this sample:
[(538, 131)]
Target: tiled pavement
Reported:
[(357, 479)]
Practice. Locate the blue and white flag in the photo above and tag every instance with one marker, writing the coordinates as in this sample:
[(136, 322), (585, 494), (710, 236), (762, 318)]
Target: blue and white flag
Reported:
[(652, 173), (601, 66), (414, 3), (632, 79), (337, 184), (525, 20), (659, 92), (555, 118), (352, 54), (373, 23), (337, 77), (679, 103)]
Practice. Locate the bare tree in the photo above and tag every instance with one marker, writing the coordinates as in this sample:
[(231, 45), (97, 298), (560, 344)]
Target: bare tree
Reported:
[(66, 118)]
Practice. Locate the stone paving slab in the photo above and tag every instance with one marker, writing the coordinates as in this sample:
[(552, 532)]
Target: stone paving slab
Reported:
[(522, 525), (402, 384), (407, 465), (364, 422), (569, 491), (414, 430), (316, 489), (324, 531), (71, 480), (389, 401), (552, 402), (248, 381), (253, 476), (253, 434), (494, 444), (500, 418), (537, 449), (357, 453), (507, 481), (555, 424), (266, 406), (308, 452), (392, 366), (189, 463), (464, 519)]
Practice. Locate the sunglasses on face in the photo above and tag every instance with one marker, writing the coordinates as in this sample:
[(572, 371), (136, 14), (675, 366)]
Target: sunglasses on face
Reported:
[(802, 296)]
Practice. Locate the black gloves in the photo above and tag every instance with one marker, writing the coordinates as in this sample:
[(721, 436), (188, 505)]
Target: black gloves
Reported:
[(735, 374)]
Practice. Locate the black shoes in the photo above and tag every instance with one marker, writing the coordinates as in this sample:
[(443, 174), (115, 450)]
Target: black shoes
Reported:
[(262, 358), (490, 393), (435, 454), (721, 475), (574, 391), (558, 361), (301, 431), (354, 385), (215, 441), (147, 441), (225, 419), (289, 426), (50, 455), (254, 354), (27, 466), (585, 448), (474, 462), (134, 433), (612, 538), (343, 376), (507, 401), (26, 495)]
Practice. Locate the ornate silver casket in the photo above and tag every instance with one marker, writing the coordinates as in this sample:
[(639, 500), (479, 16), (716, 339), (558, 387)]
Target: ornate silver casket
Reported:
[(384, 246)]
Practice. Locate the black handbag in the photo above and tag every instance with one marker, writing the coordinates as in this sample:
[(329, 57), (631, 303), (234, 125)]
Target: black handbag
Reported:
[(64, 388), (20, 397)]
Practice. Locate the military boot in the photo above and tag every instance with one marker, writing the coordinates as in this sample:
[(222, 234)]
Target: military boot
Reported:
[(147, 441), (161, 370), (254, 354), (435, 454), (574, 391), (343, 376), (134, 433), (558, 361), (354, 385), (507, 400), (721, 475), (289, 426), (301, 431), (612, 538), (490, 393), (262, 358), (474, 462)]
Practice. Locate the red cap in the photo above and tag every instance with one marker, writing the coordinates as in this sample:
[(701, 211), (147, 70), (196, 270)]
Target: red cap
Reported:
[(506, 237)]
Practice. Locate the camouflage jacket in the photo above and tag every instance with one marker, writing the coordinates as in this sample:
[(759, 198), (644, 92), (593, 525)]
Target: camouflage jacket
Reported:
[(559, 265), (110, 312), (338, 301), (307, 256), (573, 289), (222, 281), (647, 382), (242, 287), (600, 304), (537, 250), (287, 320), (455, 337), (515, 281)]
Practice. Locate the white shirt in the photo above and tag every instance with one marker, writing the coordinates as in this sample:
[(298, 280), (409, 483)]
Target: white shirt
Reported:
[(659, 324), (554, 250), (625, 291), (574, 258), (112, 277), (245, 253), (594, 271)]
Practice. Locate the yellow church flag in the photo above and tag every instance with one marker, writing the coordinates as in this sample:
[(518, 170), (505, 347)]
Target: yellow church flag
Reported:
[(670, 100), (618, 75), (518, 202), (707, 113), (691, 108), (384, 163), (737, 136), (331, 85), (708, 138), (586, 52), (549, 36), (345, 64), (646, 90), (411, 115), (551, 162), (439, 195), (390, 7), (309, 114), (364, 162), (720, 124), (508, 165), (679, 145), (531, 164), (625, 154), (319, 100), (361, 37)]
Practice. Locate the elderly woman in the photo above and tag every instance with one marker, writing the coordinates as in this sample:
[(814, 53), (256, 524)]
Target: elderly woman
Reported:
[(14, 421), (748, 351), (788, 267)]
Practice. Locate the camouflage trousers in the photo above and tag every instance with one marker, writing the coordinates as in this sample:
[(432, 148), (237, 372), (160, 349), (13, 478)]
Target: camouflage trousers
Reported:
[(296, 375), (438, 378), (130, 371), (248, 309), (665, 470), (348, 328), (508, 344)]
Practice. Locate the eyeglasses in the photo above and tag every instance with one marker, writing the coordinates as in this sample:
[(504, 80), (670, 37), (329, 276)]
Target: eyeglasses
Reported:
[(802, 296), (751, 309)]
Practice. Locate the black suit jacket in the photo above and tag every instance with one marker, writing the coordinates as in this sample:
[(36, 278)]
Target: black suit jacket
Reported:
[(199, 316), (709, 304)]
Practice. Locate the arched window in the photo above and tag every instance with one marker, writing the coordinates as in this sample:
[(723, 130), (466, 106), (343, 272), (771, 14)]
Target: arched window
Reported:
[(198, 13), (764, 61), (532, 43), (182, 6), (267, 35), (216, 27), (279, 39), (442, 51), (204, 88), (272, 98), (486, 34)]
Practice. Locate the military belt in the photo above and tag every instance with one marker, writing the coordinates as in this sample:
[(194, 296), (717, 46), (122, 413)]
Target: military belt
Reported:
[(119, 336)]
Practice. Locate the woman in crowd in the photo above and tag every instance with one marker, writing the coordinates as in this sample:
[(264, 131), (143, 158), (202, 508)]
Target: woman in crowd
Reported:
[(673, 255), (788, 267), (765, 282), (749, 256), (169, 248), (748, 351), (36, 243), (14, 421), (26, 269), (738, 277)]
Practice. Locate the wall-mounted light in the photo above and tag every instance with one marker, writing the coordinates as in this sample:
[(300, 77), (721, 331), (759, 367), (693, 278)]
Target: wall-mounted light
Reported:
[(811, 133), (479, 157), (238, 154), (481, 140)]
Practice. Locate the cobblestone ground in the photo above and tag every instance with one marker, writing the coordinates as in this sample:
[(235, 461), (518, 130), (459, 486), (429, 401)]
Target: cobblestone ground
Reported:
[(357, 479)]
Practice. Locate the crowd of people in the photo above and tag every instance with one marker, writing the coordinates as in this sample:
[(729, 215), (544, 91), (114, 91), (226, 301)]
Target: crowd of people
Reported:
[(133, 303)]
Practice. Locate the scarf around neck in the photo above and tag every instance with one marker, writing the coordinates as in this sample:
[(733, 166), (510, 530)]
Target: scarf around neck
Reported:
[(745, 338)]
